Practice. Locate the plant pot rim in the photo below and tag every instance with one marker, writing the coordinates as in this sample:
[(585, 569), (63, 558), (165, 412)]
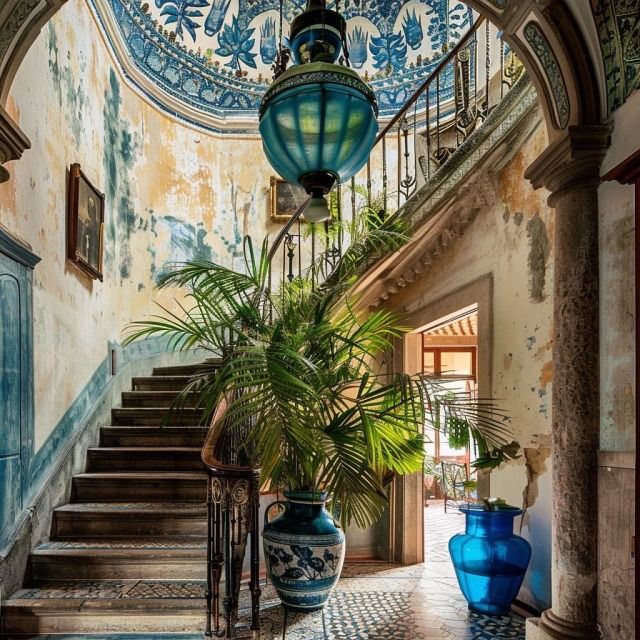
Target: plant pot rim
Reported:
[(480, 509), (307, 497)]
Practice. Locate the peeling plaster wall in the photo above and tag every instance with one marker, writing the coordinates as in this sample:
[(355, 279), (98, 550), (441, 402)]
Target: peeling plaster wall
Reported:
[(511, 238), (172, 193), (617, 273)]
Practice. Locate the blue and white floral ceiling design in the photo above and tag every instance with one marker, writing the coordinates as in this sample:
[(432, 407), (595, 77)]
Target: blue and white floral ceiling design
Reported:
[(216, 55)]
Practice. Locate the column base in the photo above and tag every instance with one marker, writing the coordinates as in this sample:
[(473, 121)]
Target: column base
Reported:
[(551, 627)]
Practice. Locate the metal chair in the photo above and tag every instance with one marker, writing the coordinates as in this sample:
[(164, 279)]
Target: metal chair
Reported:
[(455, 479)]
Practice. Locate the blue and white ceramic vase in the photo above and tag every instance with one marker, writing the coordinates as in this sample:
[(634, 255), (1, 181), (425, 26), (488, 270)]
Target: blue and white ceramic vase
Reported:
[(489, 559), (304, 551)]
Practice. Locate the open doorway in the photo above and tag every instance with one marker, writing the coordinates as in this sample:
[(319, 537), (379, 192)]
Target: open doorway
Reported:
[(449, 356)]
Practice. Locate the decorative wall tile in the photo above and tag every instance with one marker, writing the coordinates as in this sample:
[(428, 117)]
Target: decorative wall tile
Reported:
[(216, 55), (618, 25), (549, 62)]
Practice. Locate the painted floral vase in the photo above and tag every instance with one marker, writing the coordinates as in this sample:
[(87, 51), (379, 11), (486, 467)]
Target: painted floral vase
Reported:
[(304, 551), (489, 559)]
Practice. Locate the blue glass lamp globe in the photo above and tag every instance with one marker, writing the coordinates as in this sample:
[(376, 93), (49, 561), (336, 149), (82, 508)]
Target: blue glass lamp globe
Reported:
[(318, 120)]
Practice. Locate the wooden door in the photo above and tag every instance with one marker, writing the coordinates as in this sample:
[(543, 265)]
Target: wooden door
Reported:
[(12, 374)]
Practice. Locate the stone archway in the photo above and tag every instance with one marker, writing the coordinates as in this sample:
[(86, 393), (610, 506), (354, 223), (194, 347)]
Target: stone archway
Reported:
[(554, 51), (556, 58)]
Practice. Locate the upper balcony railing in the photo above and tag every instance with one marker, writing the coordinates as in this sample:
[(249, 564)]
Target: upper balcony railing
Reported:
[(412, 147)]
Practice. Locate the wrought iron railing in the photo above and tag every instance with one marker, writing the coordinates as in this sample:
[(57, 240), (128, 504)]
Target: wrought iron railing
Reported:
[(411, 148), (233, 502)]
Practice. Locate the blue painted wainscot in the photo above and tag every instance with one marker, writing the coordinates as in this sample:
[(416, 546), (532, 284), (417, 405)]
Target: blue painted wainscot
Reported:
[(25, 473), (16, 377)]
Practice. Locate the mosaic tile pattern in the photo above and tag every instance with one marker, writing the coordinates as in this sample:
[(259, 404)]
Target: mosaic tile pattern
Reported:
[(215, 56), (373, 601), (127, 543)]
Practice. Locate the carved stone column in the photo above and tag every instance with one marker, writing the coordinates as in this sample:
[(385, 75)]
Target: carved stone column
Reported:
[(569, 168), (12, 142)]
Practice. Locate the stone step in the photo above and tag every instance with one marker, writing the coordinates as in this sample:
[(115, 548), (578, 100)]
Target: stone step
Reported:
[(116, 487), (141, 558), (187, 369), (156, 417), (105, 607), (129, 519), (160, 383), (160, 459), (152, 436), (156, 399)]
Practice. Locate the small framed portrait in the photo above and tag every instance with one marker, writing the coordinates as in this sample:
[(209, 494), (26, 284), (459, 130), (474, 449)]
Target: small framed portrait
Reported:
[(85, 224), (285, 199)]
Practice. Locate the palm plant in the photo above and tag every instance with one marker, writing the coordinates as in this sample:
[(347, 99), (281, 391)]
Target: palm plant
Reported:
[(304, 367)]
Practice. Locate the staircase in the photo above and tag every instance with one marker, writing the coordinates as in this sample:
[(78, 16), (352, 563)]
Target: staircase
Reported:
[(128, 552)]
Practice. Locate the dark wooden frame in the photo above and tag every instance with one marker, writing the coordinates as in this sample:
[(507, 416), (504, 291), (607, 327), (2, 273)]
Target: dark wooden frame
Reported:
[(437, 367), (274, 214), (76, 175)]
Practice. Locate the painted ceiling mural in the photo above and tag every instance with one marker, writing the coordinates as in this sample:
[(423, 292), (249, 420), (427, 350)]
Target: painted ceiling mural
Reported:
[(216, 55)]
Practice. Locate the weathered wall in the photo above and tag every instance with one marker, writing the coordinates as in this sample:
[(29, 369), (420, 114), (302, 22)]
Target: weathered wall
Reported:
[(511, 239), (617, 272), (616, 472), (172, 193)]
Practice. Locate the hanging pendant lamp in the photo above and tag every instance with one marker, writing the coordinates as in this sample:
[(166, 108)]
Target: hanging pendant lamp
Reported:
[(318, 120)]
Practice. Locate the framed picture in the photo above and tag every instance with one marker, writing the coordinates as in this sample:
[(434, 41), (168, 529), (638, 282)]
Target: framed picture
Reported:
[(85, 224), (285, 199)]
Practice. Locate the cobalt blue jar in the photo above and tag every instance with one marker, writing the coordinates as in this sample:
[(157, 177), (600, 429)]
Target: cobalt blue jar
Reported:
[(489, 559), (304, 551)]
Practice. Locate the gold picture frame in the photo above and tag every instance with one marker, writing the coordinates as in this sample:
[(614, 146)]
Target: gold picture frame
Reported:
[(285, 199), (85, 224)]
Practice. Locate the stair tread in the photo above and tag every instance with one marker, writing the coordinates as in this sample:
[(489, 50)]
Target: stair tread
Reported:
[(144, 428), (157, 393), (177, 378), (158, 409), (125, 543), (182, 508), (111, 591), (166, 428), (143, 475), (145, 449)]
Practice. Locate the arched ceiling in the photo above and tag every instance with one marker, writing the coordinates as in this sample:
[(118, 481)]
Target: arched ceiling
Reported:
[(209, 61)]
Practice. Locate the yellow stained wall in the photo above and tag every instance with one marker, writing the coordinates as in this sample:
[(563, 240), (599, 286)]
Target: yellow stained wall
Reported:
[(172, 193)]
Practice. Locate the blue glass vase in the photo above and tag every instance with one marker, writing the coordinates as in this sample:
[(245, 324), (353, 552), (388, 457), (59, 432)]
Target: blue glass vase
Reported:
[(489, 559), (304, 551)]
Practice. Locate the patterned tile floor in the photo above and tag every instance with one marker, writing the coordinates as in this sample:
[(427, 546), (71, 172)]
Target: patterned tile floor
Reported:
[(378, 601)]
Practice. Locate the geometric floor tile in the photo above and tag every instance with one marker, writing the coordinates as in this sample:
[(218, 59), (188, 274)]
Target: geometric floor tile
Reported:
[(372, 601)]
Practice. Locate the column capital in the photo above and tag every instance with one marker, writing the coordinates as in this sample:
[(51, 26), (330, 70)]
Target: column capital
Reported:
[(572, 161), (13, 142)]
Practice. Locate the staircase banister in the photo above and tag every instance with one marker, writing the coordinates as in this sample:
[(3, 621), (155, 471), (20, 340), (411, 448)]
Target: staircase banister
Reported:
[(215, 434), (430, 78), (285, 230)]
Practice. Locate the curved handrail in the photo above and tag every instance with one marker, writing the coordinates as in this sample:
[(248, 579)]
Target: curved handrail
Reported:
[(211, 447), (430, 78), (424, 86)]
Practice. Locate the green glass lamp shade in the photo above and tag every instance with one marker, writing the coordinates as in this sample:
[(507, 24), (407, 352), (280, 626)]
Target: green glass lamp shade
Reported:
[(318, 124)]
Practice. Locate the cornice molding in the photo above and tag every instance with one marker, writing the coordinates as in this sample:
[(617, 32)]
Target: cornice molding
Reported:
[(13, 142), (435, 214), (572, 161), (627, 172), (17, 250)]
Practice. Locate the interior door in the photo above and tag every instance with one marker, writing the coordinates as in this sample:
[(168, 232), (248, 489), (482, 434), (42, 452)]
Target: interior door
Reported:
[(12, 319)]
